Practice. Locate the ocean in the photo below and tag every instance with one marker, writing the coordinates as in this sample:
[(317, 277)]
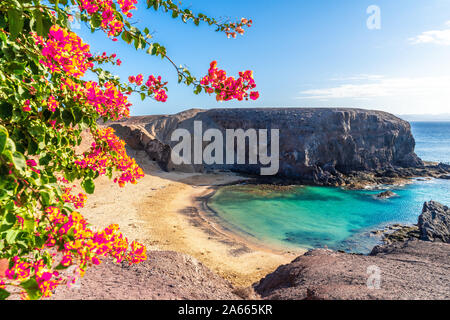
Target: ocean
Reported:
[(316, 217), (432, 140)]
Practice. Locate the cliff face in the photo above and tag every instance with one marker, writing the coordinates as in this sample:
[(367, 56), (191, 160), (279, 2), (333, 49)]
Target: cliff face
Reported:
[(315, 144)]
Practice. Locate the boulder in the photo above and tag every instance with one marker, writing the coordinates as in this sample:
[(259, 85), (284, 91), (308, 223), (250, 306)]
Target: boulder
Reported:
[(386, 195), (434, 222)]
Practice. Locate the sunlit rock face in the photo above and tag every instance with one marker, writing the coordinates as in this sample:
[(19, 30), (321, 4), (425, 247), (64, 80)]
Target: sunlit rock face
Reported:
[(315, 144)]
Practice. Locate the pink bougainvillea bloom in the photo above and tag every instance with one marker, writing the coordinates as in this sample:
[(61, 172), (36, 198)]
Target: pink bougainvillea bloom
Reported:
[(31, 163), (254, 95), (26, 107)]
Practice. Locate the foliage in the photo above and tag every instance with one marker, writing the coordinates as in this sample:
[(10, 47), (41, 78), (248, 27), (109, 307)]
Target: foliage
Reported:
[(46, 105)]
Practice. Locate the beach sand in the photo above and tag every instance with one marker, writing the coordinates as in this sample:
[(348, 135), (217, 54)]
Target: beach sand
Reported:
[(166, 211)]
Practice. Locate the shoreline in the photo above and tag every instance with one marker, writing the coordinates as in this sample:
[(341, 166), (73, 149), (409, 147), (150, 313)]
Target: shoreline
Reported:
[(164, 212), (185, 227), (212, 216)]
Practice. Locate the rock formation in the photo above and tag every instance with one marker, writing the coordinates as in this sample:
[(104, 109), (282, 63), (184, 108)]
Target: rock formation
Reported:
[(434, 222), (317, 145), (386, 195), (411, 270)]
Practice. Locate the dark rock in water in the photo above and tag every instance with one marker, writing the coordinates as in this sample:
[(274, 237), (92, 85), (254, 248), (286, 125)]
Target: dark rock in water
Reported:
[(444, 166), (386, 195), (434, 222), (323, 146)]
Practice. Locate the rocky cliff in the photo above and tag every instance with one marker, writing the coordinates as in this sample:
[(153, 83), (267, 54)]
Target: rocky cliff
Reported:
[(319, 145)]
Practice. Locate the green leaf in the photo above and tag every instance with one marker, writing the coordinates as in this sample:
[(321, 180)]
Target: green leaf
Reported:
[(46, 25), (15, 19), (39, 23), (3, 138), (67, 117), (19, 161), (32, 288), (11, 236), (29, 225), (8, 222), (32, 147), (96, 21), (45, 159), (45, 198), (4, 294), (17, 68), (126, 37), (88, 185)]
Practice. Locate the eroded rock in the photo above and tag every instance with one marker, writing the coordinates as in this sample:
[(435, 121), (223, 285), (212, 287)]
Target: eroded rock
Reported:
[(434, 222)]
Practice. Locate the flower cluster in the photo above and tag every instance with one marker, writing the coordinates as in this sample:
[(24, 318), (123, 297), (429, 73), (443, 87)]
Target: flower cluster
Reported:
[(108, 101), (76, 243), (77, 200), (26, 106), (22, 270), (111, 23), (234, 28), (52, 103), (154, 86), (87, 245), (228, 88), (32, 164), (105, 58), (64, 51), (108, 152)]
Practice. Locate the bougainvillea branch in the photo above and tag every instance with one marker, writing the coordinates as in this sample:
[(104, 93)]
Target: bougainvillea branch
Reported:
[(45, 106)]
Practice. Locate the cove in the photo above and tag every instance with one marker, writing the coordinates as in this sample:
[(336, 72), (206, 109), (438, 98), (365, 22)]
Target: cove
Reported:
[(315, 217)]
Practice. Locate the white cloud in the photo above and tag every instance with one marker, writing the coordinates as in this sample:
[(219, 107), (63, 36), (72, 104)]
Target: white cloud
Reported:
[(435, 87), (439, 37), (359, 77)]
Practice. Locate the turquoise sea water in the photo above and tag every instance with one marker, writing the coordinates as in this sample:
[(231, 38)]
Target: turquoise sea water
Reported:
[(313, 217)]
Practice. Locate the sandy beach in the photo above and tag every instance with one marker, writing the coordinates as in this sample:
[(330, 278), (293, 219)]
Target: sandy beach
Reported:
[(165, 211)]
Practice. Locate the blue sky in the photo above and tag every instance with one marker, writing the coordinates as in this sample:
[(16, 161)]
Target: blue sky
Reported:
[(303, 53)]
